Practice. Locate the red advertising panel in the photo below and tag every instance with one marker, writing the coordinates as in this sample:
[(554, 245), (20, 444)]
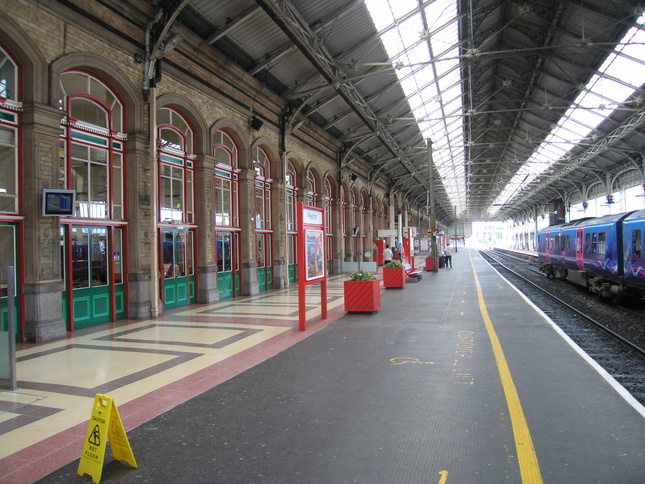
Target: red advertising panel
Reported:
[(311, 251)]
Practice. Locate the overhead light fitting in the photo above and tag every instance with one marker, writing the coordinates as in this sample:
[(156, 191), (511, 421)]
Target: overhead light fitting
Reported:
[(173, 41)]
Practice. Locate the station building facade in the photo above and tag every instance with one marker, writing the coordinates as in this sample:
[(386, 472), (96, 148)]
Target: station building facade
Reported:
[(186, 187)]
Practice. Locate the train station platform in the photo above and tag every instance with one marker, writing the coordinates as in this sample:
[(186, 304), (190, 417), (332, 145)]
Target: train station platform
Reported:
[(455, 379)]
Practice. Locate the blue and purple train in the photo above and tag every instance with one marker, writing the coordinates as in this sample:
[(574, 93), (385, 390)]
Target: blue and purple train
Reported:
[(604, 254)]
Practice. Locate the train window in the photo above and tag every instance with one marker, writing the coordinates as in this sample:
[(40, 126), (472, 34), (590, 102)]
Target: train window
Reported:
[(587, 243), (594, 243), (558, 245), (602, 238), (636, 243)]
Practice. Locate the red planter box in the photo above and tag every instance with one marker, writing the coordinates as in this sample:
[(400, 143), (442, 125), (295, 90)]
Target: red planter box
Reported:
[(362, 296), (429, 264), (394, 276)]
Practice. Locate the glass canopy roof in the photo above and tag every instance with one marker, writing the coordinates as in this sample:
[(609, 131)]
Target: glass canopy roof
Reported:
[(423, 45)]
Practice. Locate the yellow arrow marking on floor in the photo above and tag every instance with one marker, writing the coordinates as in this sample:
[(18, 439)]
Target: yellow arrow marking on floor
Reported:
[(527, 459)]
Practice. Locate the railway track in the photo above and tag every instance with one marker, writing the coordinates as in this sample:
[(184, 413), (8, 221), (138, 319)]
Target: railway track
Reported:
[(614, 337)]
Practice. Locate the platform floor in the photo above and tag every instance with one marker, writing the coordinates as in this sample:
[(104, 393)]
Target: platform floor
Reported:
[(456, 379)]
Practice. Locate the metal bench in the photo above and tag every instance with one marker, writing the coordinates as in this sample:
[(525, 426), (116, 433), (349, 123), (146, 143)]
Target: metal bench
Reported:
[(412, 275)]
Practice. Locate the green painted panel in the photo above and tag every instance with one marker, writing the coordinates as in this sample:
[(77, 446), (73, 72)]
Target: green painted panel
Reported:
[(120, 301), (89, 138), (172, 159), (169, 295), (4, 317), (178, 291), (292, 272), (64, 305), (182, 292), (91, 307), (5, 116), (225, 285), (262, 279), (82, 307), (101, 306)]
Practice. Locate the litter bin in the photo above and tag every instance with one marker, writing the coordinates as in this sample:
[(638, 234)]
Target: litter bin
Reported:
[(442, 262)]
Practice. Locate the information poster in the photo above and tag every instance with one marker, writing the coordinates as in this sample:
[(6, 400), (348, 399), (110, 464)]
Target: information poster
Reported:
[(315, 254)]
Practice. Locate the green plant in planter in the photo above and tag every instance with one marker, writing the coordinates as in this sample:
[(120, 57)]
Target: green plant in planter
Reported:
[(393, 263), (362, 276)]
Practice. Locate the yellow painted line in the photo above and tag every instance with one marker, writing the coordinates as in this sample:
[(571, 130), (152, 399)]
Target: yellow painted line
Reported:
[(527, 459)]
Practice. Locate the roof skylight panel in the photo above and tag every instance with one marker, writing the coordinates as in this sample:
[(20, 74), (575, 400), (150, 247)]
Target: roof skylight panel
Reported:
[(549, 154), (409, 85), (613, 89), (586, 118), (627, 69), (418, 55), (381, 13), (402, 7), (595, 102), (559, 143), (440, 11)]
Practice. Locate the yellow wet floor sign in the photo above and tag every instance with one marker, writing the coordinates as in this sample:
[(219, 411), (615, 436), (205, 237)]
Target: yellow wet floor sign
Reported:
[(105, 424)]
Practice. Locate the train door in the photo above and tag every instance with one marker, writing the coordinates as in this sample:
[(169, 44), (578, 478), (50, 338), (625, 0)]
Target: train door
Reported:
[(8, 258), (579, 248), (228, 266), (178, 287)]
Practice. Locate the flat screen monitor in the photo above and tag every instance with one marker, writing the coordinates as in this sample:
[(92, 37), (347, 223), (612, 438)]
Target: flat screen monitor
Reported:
[(58, 202)]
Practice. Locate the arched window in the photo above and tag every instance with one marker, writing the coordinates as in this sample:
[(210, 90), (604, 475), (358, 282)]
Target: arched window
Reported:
[(9, 108), (354, 208), (176, 164), (262, 167), (329, 227), (263, 223), (8, 78), (92, 146), (312, 196), (292, 197), (291, 202), (328, 208), (226, 180), (92, 162), (343, 211)]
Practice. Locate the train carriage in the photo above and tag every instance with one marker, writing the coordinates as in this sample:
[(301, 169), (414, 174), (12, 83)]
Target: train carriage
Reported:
[(604, 254), (634, 250)]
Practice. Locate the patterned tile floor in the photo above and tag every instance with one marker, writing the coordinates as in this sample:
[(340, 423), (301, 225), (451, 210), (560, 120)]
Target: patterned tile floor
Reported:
[(146, 366)]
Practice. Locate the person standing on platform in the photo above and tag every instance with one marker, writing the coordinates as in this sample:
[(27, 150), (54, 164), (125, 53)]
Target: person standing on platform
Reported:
[(447, 254), (387, 254)]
